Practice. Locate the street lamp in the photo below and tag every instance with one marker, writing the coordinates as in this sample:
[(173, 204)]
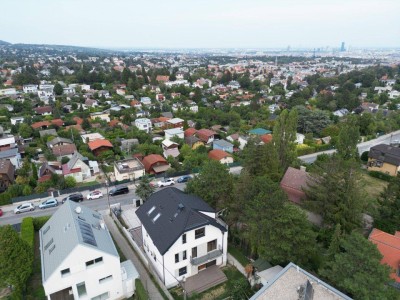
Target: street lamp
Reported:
[(183, 287), (108, 197)]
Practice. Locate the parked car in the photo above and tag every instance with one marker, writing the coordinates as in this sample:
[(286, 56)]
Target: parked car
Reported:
[(166, 182), (184, 178), (24, 207), (49, 203), (77, 197), (1, 212), (119, 191), (94, 195)]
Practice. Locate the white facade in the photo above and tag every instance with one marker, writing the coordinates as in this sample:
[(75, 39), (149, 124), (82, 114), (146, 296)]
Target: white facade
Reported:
[(8, 92), (143, 124), (30, 88), (165, 265), (131, 169), (300, 138), (17, 120)]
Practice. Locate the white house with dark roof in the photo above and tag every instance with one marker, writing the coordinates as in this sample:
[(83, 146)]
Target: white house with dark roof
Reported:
[(181, 235), (79, 259)]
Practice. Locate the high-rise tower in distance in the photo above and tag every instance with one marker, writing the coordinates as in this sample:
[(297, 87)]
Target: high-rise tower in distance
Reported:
[(342, 49)]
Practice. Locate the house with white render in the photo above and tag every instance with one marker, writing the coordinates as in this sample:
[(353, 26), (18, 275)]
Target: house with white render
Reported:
[(79, 259), (182, 235)]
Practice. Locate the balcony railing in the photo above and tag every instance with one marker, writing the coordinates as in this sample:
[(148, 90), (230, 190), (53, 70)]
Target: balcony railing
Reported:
[(205, 258)]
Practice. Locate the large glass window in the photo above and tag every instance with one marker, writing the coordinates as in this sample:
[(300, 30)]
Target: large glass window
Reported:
[(81, 287), (182, 271), (211, 245), (194, 252), (177, 257), (103, 296)]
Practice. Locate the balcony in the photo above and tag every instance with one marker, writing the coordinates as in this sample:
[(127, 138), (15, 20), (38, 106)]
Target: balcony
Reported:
[(205, 258)]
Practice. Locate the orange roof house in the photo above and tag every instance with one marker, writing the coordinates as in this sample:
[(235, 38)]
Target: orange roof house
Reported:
[(78, 120), (57, 122), (293, 183), (266, 138), (155, 163), (41, 125), (389, 246), (99, 146), (162, 78), (220, 155), (190, 132), (206, 135)]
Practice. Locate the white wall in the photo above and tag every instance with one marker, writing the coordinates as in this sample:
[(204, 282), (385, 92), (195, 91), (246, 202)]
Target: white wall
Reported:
[(90, 275)]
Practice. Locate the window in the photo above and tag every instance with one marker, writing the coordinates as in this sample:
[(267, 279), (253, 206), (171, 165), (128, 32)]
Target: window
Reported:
[(103, 296), (151, 210), (211, 245), (184, 238), (47, 229), (177, 258), (155, 258), (194, 252), (48, 244), (65, 272), (105, 279), (184, 255), (94, 261), (199, 233), (182, 271), (81, 287)]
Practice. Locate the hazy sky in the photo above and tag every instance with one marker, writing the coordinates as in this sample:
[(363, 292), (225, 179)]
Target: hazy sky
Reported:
[(202, 23)]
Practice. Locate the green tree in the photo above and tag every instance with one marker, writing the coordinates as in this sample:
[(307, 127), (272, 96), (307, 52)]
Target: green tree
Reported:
[(349, 136), (86, 124), (70, 182), (58, 89), (25, 130), (144, 189), (284, 137), (214, 184), (335, 193), (358, 271), (388, 218), (16, 258)]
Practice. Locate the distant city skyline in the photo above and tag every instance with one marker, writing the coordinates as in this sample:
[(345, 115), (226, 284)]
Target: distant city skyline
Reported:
[(203, 24)]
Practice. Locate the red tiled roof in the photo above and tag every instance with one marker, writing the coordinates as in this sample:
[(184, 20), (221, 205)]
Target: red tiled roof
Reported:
[(162, 78), (190, 132), (44, 178), (113, 123), (135, 102), (40, 124), (389, 246), (266, 138), (205, 134), (99, 143), (65, 149), (218, 154), (57, 122), (78, 120), (150, 160), (292, 183), (67, 171), (43, 109)]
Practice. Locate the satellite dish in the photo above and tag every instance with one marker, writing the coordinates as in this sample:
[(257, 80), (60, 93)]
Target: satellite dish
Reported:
[(78, 209)]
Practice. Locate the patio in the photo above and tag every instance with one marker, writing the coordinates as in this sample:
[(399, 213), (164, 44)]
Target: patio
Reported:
[(204, 280)]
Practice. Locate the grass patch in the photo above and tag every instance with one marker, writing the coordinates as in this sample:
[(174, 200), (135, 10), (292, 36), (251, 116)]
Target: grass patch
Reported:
[(89, 183), (122, 257), (373, 186), (219, 292), (236, 253)]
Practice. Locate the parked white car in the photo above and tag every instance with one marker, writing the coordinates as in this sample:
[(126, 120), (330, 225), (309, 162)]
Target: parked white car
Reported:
[(48, 203), (94, 195), (166, 182), (24, 207)]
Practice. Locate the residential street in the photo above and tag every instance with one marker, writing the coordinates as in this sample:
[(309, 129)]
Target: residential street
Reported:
[(130, 254), (362, 147)]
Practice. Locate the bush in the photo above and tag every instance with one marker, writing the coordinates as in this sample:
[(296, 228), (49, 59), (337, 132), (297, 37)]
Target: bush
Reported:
[(38, 222), (28, 231), (364, 156), (380, 175), (304, 149), (5, 198), (140, 292)]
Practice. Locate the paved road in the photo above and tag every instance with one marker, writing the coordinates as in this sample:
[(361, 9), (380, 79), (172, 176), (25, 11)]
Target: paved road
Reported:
[(362, 147), (99, 204)]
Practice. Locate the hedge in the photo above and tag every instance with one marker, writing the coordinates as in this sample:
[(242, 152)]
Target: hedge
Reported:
[(38, 222), (380, 175), (28, 231), (140, 292)]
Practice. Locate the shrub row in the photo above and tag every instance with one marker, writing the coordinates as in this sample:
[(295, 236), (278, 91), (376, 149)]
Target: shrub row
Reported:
[(140, 292), (380, 175), (38, 222)]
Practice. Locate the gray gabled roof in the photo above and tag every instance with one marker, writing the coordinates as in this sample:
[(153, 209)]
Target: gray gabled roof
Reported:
[(223, 143), (71, 163), (8, 153), (385, 153), (57, 140), (179, 212), (67, 229)]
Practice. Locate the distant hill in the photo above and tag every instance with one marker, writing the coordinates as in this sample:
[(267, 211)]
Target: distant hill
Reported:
[(4, 43)]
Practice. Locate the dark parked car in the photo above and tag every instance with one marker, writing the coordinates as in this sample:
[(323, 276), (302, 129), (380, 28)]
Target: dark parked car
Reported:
[(184, 178), (78, 197), (119, 191)]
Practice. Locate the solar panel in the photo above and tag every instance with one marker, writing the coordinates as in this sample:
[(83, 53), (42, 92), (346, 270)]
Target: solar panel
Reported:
[(87, 233)]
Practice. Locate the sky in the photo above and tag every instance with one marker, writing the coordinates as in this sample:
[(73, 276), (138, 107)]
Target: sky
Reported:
[(202, 23)]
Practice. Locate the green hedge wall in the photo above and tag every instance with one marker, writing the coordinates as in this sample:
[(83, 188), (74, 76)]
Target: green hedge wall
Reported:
[(140, 292), (380, 175), (28, 231), (38, 222)]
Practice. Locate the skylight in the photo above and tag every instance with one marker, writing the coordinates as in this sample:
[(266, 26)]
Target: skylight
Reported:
[(156, 217), (151, 210)]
